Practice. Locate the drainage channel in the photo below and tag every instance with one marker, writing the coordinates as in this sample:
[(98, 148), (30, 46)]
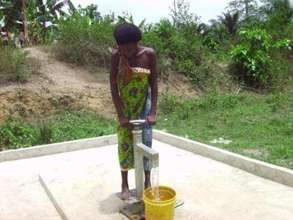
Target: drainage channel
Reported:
[(52, 199)]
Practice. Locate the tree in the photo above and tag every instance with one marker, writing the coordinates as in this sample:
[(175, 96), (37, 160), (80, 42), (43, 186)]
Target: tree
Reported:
[(2, 18), (278, 14), (21, 13), (24, 19), (91, 11), (217, 31), (246, 8), (14, 13), (51, 10), (203, 29), (11, 12), (231, 21), (181, 15)]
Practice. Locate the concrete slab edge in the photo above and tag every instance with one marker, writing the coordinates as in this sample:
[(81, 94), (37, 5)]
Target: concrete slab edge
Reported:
[(56, 148), (269, 171), (275, 173), (52, 199)]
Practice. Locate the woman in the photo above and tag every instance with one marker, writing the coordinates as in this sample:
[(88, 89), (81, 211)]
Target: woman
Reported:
[(21, 39), (134, 92)]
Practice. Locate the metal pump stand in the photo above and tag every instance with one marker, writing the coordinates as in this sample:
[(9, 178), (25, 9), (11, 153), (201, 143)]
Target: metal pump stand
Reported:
[(135, 209)]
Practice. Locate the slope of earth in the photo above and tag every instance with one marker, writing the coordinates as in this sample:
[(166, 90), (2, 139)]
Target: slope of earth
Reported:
[(62, 85)]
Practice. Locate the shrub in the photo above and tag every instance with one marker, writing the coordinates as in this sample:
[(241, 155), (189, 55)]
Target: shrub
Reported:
[(16, 133), (85, 42), (251, 56), (168, 103), (64, 126), (45, 134), (179, 50), (16, 66)]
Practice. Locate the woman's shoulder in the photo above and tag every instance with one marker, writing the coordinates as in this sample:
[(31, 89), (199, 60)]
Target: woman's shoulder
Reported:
[(114, 52), (115, 55), (147, 50)]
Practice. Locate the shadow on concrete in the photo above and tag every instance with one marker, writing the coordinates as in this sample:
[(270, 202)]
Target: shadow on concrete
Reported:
[(111, 205)]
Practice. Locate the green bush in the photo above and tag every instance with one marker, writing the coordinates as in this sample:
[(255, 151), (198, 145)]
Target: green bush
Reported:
[(64, 126), (257, 55), (15, 65), (180, 50), (84, 41), (251, 56), (16, 133), (45, 134), (87, 42), (168, 103)]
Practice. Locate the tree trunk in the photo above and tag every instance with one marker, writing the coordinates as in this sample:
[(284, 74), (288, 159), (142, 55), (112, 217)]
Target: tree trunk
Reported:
[(175, 13), (246, 8), (24, 20)]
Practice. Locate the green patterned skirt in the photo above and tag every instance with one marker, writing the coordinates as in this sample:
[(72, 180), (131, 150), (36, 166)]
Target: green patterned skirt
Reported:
[(134, 95)]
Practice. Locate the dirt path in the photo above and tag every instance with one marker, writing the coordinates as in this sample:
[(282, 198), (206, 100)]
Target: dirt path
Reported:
[(59, 85), (63, 85)]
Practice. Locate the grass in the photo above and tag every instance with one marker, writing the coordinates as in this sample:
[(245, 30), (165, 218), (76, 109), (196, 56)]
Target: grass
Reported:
[(64, 126), (16, 66), (259, 126)]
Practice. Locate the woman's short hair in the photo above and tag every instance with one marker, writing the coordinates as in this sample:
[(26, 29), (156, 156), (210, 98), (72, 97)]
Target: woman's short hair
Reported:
[(127, 33)]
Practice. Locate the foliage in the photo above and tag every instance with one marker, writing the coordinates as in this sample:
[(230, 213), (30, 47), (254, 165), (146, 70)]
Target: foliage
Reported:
[(247, 9), (64, 126), (231, 22), (16, 133), (15, 65), (183, 44), (215, 35), (43, 17), (183, 19), (278, 15), (261, 55), (90, 11), (2, 18), (153, 37), (11, 12), (259, 126), (251, 56), (179, 51), (84, 41)]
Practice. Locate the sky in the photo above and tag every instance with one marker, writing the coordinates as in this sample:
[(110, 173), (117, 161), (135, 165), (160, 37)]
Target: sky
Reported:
[(153, 10)]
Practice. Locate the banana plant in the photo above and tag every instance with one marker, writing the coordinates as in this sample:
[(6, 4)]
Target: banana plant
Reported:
[(230, 21), (44, 17), (2, 18), (33, 13), (50, 10), (10, 12), (90, 11)]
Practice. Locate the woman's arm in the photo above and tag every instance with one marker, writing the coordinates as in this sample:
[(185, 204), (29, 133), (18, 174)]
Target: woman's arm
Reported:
[(154, 86), (114, 88)]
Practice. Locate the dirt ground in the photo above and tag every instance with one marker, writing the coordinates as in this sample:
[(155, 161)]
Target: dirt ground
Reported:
[(62, 85)]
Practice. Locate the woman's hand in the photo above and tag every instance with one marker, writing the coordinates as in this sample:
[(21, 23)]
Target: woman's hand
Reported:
[(151, 119), (124, 122)]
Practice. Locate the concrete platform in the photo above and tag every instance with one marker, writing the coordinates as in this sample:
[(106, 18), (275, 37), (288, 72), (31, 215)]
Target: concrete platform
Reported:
[(21, 195), (83, 186)]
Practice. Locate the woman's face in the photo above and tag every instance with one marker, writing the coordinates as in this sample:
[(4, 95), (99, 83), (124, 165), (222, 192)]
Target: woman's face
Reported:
[(127, 50)]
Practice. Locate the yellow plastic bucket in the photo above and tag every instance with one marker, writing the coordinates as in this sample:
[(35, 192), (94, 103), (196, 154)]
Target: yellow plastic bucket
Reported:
[(162, 209)]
